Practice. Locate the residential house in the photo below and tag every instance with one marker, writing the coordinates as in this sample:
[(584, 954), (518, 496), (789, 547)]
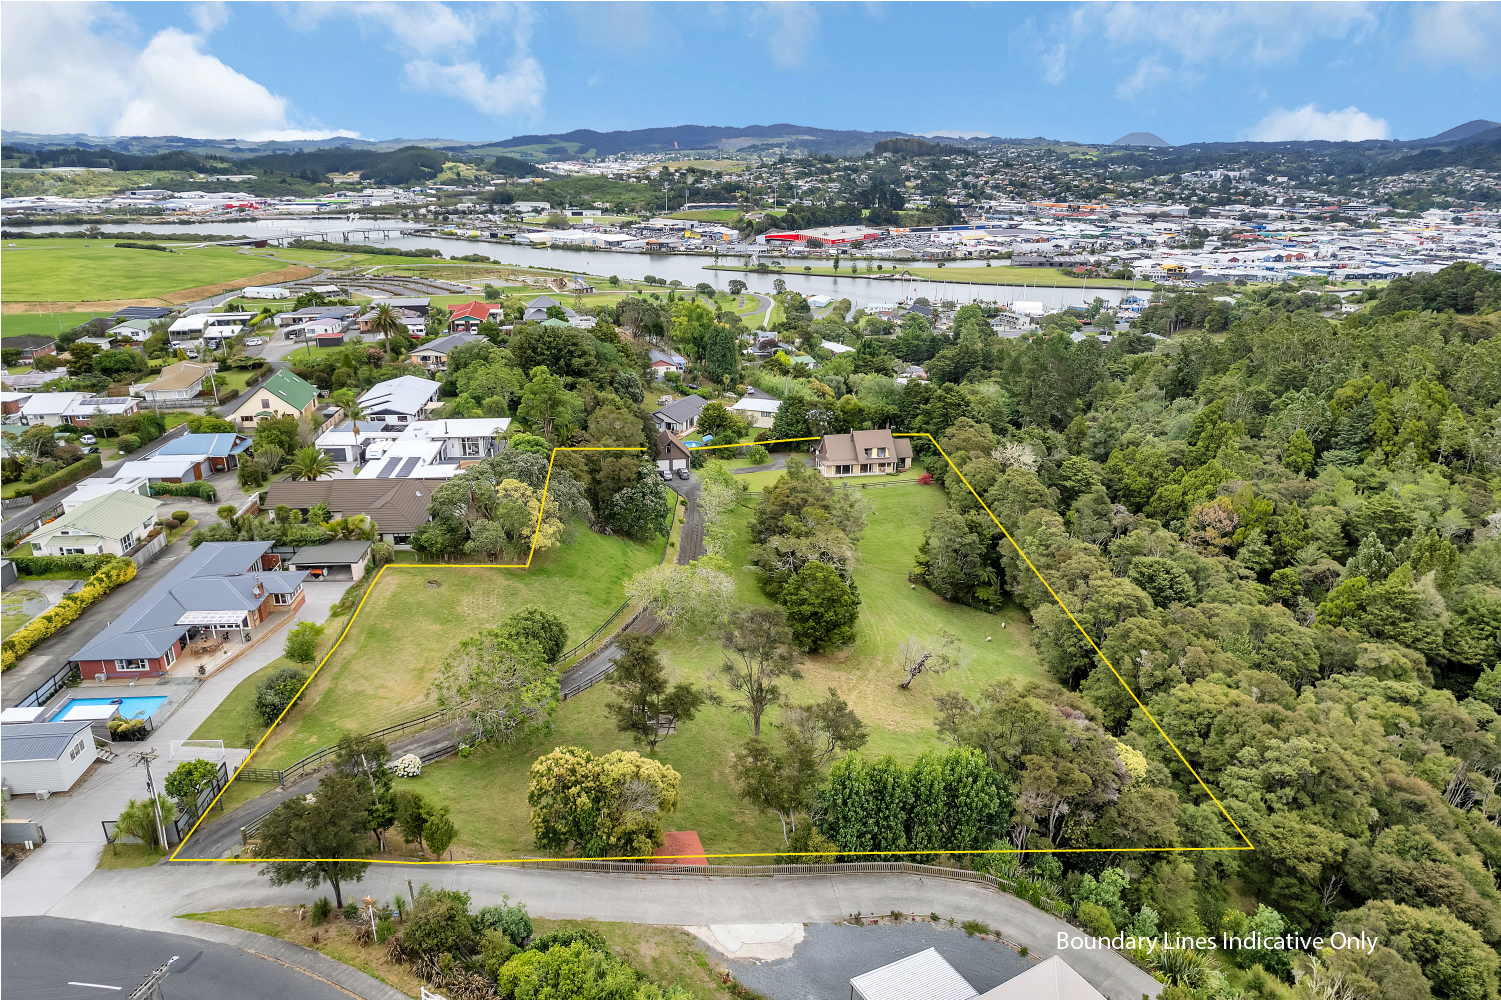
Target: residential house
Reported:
[(862, 453), (134, 330), (112, 523), (140, 313), (672, 455), (98, 486), (10, 403), (663, 362), (222, 450), (178, 382), (37, 758), (401, 400), (757, 408), (536, 310), (433, 355), (415, 322), (32, 346), (166, 468), (421, 305), (679, 415), (319, 327), (74, 409), (466, 318), (397, 506), (223, 589), (297, 317), (282, 395), (212, 328), (434, 449), (345, 559), (348, 441)]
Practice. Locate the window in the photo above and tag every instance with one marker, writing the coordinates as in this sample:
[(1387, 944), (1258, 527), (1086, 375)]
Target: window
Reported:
[(76, 751), (403, 418), (170, 657), (471, 446), (128, 541), (281, 599), (842, 470), (880, 453), (72, 550), (864, 467), (138, 664)]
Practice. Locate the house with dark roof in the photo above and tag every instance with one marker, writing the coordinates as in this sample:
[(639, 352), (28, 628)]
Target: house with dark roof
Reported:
[(397, 506), (672, 454), (226, 590), (32, 346), (679, 415), (536, 310), (466, 318), (663, 362), (433, 355), (862, 453)]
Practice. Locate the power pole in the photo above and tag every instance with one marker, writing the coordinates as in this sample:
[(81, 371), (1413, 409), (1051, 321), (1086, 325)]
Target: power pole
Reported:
[(151, 986), (145, 758)]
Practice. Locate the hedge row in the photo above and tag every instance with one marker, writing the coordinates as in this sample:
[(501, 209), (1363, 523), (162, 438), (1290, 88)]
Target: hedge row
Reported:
[(35, 566), (108, 577), (67, 476), (201, 489)]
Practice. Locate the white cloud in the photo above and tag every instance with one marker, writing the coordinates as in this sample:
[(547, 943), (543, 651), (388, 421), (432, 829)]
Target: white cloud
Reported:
[(1149, 72), (1467, 33), (790, 29), (442, 49), (73, 67), (1308, 122)]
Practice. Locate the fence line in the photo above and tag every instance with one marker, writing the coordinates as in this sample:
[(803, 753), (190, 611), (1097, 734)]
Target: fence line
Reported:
[(48, 688)]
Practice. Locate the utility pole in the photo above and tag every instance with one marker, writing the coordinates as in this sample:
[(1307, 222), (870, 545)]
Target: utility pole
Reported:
[(145, 758), (151, 986)]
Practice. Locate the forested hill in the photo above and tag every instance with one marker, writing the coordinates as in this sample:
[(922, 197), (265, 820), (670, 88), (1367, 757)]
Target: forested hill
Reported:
[(1284, 532)]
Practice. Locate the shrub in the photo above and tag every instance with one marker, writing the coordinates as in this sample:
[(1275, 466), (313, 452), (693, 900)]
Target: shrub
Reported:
[(277, 692), (128, 443), (507, 918), (171, 523), (384, 928), (382, 553), (351, 911), (440, 923), (84, 566), (110, 574), (180, 516), (925, 479), (495, 950), (1095, 919), (202, 489), (65, 476), (759, 456), (188, 779), (408, 766), (129, 729), (302, 642), (322, 908), (591, 939)]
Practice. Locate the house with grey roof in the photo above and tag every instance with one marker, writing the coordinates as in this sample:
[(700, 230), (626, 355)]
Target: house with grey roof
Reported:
[(221, 590), (400, 401), (862, 453), (433, 355), (222, 449), (48, 757), (679, 415)]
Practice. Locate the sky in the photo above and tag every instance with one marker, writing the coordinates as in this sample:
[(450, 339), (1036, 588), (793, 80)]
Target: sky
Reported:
[(1090, 72)]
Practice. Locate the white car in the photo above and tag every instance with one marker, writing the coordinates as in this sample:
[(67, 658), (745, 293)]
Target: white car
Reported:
[(254, 342), (88, 439)]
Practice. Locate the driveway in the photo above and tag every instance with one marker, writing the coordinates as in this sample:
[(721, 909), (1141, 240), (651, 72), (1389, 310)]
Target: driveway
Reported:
[(778, 461), (691, 538)]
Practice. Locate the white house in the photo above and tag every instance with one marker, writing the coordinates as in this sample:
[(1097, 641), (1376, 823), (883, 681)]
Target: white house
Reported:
[(207, 326), (98, 486), (265, 292), (401, 400), (45, 757), (757, 408), (434, 449), (112, 523)]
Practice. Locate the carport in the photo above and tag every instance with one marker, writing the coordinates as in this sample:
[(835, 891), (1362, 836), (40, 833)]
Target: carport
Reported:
[(344, 560)]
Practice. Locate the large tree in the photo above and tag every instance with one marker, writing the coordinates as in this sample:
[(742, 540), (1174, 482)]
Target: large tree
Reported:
[(758, 652), (499, 684), (312, 838), (822, 607), (648, 705)]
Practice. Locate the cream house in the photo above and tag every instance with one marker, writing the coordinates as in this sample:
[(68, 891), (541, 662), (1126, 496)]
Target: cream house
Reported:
[(282, 395)]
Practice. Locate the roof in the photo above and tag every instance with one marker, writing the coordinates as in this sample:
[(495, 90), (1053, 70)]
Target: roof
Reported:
[(345, 551), (679, 411), (473, 310), (670, 448), (25, 341), (38, 741), (398, 506), (141, 313), (290, 389), (443, 345), (459, 427), (220, 445), (213, 577), (158, 467), (110, 516), (407, 394), (41, 404), (669, 357), (850, 448), (1050, 980), (922, 975)]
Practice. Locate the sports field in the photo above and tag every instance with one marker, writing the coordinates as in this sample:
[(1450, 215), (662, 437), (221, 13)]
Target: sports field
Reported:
[(76, 271)]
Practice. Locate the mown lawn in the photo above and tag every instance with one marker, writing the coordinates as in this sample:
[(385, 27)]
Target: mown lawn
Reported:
[(380, 675), (49, 324), (83, 270)]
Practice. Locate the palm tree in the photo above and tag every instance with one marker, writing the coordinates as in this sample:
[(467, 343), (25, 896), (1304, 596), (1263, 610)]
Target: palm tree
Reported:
[(386, 322), (310, 462)]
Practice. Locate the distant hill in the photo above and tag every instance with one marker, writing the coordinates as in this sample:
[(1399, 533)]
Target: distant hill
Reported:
[(1141, 139), (1466, 131)]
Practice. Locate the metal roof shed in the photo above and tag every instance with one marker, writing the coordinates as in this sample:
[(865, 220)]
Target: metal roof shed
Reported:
[(923, 976), (45, 757)]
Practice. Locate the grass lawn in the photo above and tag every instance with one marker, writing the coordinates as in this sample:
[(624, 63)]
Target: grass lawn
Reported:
[(235, 720), (128, 857), (665, 954), (84, 270), (709, 215), (50, 324), (380, 675)]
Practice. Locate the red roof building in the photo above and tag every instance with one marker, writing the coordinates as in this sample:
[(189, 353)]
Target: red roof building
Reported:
[(466, 319)]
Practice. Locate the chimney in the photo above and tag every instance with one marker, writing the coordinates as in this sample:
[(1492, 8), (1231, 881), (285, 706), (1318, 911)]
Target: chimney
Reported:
[(259, 589)]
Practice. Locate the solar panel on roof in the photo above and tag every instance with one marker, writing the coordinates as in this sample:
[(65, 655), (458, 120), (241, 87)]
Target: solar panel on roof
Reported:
[(409, 465), (388, 468)]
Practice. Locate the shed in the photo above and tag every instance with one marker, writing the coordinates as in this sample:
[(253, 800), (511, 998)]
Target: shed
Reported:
[(45, 757), (923, 976), (1050, 980), (343, 560)]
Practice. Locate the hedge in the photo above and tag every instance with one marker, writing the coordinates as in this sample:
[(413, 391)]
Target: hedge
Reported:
[(66, 476), (108, 577), (35, 566), (201, 489)]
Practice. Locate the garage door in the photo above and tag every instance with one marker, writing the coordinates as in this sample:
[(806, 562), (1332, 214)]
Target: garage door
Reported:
[(337, 454)]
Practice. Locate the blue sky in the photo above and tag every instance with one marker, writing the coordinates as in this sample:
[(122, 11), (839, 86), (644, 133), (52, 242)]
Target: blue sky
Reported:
[(1087, 72)]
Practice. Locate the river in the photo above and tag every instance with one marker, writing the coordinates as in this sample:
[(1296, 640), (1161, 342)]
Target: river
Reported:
[(688, 269)]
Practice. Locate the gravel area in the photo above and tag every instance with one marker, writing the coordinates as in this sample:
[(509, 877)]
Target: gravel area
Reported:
[(829, 955)]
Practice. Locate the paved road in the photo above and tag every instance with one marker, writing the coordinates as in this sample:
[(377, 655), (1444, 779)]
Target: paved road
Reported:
[(691, 538), (62, 958), (148, 898)]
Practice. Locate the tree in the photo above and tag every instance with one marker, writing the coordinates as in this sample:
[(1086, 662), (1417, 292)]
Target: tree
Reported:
[(678, 595), (313, 833), (828, 727), (1298, 453), (692, 324), (499, 684), (302, 643), (440, 831), (822, 607), (188, 779), (1164, 581), (310, 463), (649, 707), (639, 510), (386, 322), (608, 806), (758, 650), (737, 287), (412, 813), (282, 433), (778, 779), (934, 655), (722, 354), (275, 694), (544, 400)]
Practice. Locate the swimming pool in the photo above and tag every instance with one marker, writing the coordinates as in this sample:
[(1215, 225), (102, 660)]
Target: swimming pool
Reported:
[(132, 708)]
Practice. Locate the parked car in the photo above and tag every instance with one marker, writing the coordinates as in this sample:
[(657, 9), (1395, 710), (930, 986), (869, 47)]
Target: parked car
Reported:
[(88, 439), (662, 401), (90, 450), (682, 474), (666, 475), (254, 342)]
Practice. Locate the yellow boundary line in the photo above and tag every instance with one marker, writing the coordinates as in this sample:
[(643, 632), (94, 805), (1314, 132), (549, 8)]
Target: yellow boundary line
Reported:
[(1248, 846)]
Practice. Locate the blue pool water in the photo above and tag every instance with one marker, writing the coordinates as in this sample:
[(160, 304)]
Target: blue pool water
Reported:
[(132, 708)]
